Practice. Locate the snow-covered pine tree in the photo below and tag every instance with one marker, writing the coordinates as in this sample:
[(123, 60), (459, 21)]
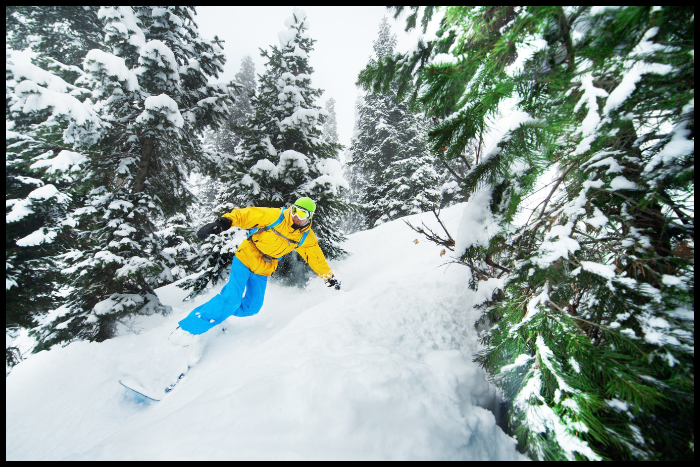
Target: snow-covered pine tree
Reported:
[(42, 106), (33, 230), (285, 156), (246, 79), (154, 99), (62, 33), (207, 191), (396, 174), (590, 331), (226, 139), (354, 220), (330, 126), (411, 183)]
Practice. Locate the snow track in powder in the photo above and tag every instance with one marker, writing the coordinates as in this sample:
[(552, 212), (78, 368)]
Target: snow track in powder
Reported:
[(379, 370)]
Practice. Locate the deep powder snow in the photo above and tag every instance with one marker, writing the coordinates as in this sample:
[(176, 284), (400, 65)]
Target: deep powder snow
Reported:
[(379, 370)]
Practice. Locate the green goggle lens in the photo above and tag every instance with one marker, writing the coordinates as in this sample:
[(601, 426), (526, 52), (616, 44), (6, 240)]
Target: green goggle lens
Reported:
[(301, 213)]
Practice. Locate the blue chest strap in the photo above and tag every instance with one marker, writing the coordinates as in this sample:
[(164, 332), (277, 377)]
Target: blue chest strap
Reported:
[(272, 227)]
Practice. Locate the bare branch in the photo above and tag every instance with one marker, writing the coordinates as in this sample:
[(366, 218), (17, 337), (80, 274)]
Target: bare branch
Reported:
[(490, 262), (685, 218), (448, 242), (537, 191), (556, 185), (478, 151), (565, 28), (466, 162), (444, 162), (437, 216)]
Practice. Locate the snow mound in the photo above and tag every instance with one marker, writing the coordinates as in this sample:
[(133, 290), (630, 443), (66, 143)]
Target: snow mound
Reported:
[(379, 370)]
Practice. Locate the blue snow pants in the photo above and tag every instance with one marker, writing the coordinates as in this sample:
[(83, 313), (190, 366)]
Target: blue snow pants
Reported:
[(229, 301)]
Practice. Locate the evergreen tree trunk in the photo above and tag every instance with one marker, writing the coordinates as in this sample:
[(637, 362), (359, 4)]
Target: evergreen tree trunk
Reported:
[(146, 153)]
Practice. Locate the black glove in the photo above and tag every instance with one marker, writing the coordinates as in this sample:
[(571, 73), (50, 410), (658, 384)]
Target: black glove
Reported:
[(333, 282), (215, 228)]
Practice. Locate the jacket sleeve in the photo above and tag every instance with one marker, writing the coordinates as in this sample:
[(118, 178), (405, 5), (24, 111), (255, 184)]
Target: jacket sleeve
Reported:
[(247, 218), (312, 254)]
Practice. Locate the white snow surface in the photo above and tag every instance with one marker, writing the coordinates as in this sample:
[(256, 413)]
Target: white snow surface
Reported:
[(65, 161), (621, 183), (508, 118), (525, 50), (37, 238), (23, 207), (164, 105), (294, 23), (680, 144), (477, 225), (98, 61), (379, 370), (161, 54), (557, 244), (629, 82), (590, 99), (331, 177), (444, 59)]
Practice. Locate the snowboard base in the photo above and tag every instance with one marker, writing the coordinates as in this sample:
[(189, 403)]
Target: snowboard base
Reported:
[(150, 394), (133, 385)]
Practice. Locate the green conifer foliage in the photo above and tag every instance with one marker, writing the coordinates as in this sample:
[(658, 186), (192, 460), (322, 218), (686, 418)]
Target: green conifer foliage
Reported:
[(62, 33), (589, 333), (43, 107), (33, 236)]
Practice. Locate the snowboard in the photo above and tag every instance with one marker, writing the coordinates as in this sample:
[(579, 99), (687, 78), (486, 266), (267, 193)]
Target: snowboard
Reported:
[(157, 393), (151, 394)]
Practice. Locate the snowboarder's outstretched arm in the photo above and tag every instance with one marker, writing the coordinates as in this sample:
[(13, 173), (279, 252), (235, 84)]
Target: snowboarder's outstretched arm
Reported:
[(250, 217), (312, 254), (246, 218)]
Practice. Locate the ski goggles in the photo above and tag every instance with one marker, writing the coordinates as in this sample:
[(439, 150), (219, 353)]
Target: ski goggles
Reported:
[(301, 213)]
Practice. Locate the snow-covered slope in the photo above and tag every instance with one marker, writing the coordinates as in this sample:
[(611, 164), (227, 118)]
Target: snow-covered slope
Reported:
[(379, 370)]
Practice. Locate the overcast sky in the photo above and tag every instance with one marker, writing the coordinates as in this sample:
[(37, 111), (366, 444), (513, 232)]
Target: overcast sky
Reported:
[(344, 37)]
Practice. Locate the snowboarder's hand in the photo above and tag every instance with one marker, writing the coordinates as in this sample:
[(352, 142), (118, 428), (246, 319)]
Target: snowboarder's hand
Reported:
[(215, 228), (224, 223), (333, 282)]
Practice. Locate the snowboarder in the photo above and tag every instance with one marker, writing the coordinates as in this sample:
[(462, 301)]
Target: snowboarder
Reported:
[(275, 232)]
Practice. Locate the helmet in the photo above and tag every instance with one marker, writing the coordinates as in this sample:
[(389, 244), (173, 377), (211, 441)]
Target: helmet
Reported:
[(306, 203)]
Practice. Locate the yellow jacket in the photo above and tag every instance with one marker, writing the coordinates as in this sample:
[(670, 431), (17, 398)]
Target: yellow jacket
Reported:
[(274, 245)]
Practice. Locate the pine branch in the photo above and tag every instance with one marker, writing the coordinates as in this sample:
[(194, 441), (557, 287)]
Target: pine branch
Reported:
[(554, 306), (480, 274), (535, 192), (685, 218)]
